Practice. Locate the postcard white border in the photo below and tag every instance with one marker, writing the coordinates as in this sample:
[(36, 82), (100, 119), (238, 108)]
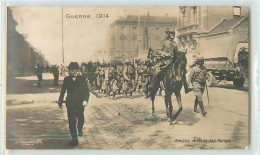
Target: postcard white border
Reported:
[(254, 8)]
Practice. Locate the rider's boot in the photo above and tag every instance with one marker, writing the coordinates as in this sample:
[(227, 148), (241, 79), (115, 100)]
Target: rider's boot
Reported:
[(202, 109), (153, 81)]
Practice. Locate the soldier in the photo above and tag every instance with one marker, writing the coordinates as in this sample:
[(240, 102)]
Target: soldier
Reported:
[(165, 58), (120, 79), (139, 69), (56, 73), (108, 72), (198, 79), (98, 77), (77, 96), (103, 83), (129, 75)]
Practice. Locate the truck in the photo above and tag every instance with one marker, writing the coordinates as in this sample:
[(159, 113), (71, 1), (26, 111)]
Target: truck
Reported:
[(222, 68)]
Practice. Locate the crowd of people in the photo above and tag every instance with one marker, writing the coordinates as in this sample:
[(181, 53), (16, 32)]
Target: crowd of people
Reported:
[(127, 77)]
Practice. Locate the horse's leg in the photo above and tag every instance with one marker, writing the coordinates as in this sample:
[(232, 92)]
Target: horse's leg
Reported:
[(178, 98), (166, 100), (160, 91), (170, 106), (153, 109), (153, 97)]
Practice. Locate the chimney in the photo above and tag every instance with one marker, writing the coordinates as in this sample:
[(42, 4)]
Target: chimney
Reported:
[(236, 11)]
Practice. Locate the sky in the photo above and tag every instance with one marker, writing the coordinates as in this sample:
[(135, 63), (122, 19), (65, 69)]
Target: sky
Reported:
[(81, 37)]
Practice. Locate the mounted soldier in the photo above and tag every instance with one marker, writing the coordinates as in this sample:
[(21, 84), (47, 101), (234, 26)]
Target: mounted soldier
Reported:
[(165, 58), (197, 78)]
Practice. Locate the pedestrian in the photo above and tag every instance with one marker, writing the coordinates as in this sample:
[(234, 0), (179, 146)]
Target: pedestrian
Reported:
[(77, 97), (197, 78), (56, 73), (38, 72)]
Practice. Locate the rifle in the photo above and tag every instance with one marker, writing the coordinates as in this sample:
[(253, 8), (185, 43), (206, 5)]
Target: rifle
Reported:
[(207, 94)]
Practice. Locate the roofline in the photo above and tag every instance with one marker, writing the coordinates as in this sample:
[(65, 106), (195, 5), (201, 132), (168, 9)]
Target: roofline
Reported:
[(238, 23), (134, 22), (232, 27), (142, 21), (218, 24), (216, 33)]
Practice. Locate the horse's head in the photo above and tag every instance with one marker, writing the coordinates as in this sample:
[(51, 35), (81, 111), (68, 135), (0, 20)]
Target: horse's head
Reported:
[(180, 65)]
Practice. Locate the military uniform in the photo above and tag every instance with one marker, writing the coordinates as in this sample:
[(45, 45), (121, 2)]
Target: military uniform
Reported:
[(110, 73), (139, 82), (197, 78), (120, 78), (129, 75), (98, 78), (165, 58), (169, 48)]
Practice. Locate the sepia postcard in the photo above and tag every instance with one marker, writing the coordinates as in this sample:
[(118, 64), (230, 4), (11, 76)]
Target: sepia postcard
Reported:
[(128, 78)]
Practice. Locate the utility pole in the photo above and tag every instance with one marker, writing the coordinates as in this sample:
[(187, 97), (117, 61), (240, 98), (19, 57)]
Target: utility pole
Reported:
[(147, 35), (62, 46), (139, 36)]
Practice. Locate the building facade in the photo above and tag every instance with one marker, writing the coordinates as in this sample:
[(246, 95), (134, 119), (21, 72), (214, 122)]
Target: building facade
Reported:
[(132, 36), (21, 55), (205, 30)]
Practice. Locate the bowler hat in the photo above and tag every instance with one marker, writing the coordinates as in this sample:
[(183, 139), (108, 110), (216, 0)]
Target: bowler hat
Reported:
[(73, 65)]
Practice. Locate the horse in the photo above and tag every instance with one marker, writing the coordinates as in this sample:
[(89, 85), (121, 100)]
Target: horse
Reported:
[(172, 81)]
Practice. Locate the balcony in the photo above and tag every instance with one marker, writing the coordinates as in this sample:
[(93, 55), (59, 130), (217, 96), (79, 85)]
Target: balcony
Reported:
[(188, 29)]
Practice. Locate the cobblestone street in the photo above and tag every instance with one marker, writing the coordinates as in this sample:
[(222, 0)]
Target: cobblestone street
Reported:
[(34, 120)]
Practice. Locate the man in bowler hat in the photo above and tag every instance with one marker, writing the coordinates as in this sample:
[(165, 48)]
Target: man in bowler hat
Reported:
[(77, 96)]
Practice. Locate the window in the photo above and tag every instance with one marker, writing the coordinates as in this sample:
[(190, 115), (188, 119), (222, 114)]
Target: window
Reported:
[(122, 26), (134, 27), (183, 11), (157, 28), (194, 9)]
